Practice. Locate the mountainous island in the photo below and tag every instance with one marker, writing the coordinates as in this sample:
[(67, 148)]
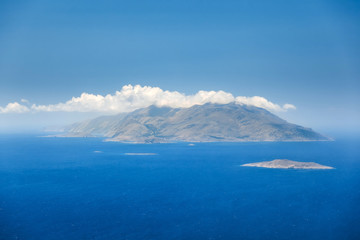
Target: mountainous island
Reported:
[(200, 123), (287, 164)]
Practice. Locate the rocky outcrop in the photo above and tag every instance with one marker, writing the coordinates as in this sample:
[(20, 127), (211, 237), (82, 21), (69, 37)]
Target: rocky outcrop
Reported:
[(287, 164)]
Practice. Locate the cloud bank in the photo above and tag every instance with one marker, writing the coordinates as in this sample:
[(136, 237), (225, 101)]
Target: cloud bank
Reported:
[(131, 97), (14, 107)]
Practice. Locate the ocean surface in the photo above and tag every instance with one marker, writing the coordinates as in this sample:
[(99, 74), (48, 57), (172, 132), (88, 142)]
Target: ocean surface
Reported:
[(84, 188)]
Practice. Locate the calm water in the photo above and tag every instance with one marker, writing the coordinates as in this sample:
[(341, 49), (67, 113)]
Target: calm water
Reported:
[(57, 188)]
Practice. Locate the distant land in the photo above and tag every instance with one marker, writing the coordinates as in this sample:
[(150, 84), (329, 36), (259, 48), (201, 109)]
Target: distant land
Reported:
[(287, 164), (200, 123)]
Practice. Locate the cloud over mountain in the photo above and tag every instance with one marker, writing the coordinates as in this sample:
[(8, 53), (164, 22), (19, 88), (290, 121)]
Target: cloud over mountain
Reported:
[(263, 103), (131, 97)]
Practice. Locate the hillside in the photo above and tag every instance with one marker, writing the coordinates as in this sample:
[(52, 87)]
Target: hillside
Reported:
[(200, 123)]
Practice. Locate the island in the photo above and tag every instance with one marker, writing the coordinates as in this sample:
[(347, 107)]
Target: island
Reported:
[(287, 164), (200, 123)]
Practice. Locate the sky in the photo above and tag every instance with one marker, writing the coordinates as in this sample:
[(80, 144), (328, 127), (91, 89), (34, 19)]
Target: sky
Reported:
[(301, 54)]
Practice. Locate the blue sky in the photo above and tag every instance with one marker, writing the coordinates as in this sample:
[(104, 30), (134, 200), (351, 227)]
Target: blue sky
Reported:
[(306, 53)]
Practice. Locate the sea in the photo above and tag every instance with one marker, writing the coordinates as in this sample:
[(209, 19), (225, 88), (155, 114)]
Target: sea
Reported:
[(86, 188)]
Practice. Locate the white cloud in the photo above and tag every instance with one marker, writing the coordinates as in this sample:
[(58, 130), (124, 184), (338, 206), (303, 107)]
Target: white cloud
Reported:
[(14, 107), (263, 103), (288, 106), (131, 97)]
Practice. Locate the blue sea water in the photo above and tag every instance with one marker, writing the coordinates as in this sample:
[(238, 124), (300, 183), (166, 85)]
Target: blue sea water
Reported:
[(84, 188)]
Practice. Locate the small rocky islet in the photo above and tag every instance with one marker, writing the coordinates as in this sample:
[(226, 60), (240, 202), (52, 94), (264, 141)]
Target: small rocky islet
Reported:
[(287, 164)]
